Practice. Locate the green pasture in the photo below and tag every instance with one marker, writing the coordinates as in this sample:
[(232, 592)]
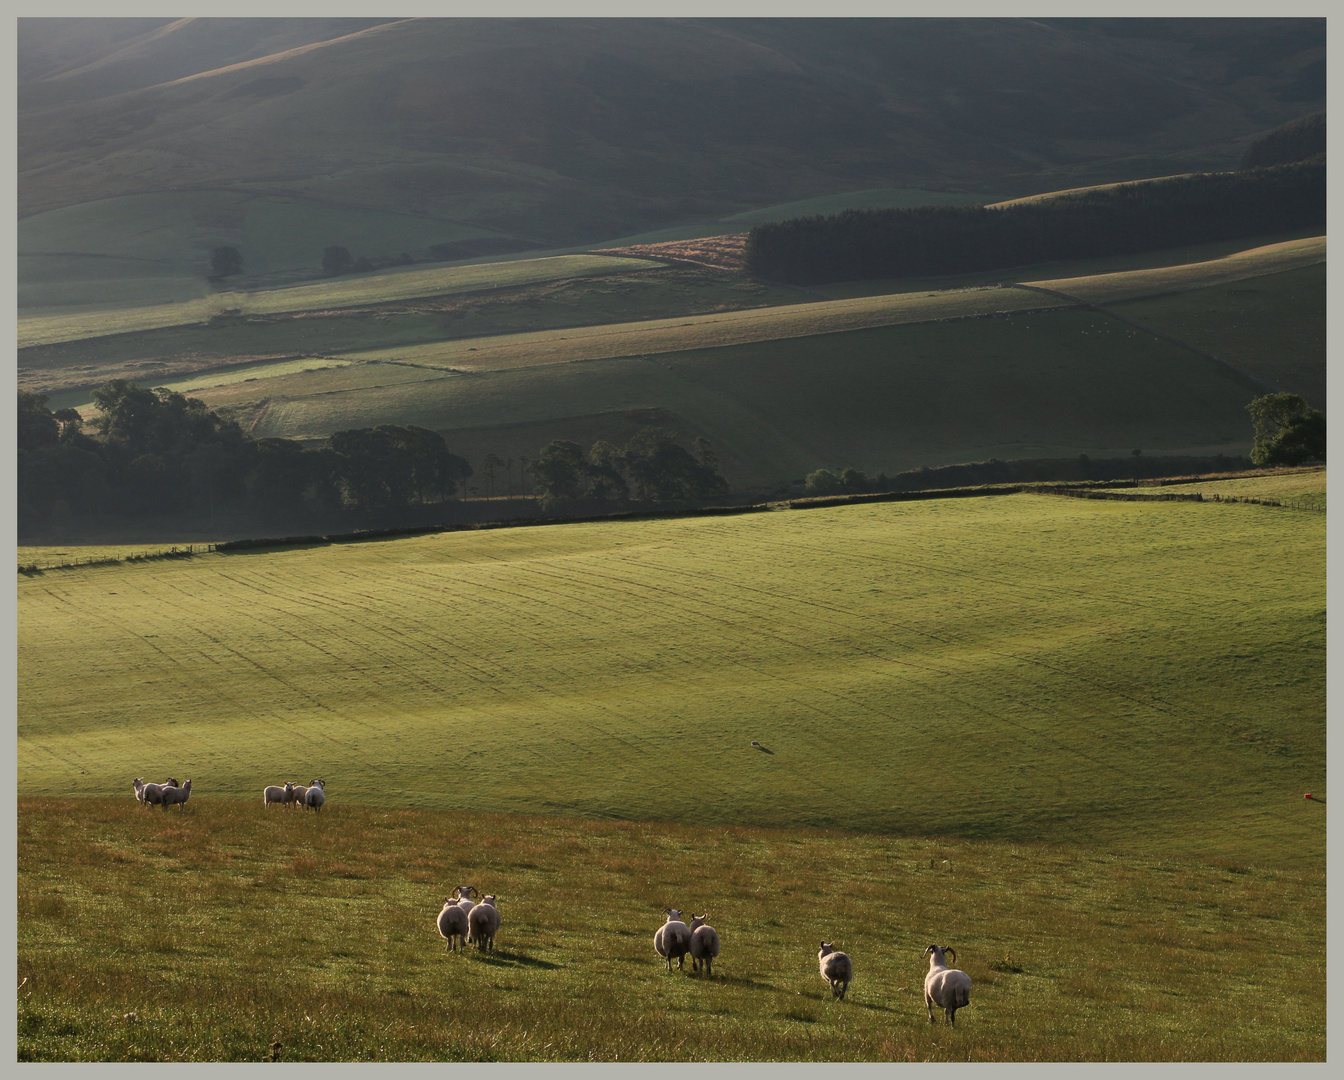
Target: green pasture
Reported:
[(81, 254), (1272, 325), (1138, 677), (650, 292), (1033, 384), (346, 291), (217, 932), (1303, 489)]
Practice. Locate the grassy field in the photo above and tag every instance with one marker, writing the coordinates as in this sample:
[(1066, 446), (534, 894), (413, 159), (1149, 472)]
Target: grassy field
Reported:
[(1172, 668), (1303, 489), (217, 932), (346, 291), (1068, 737), (1039, 384)]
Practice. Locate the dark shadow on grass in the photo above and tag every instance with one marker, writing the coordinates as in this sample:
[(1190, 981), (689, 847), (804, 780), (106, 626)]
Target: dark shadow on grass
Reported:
[(762, 749), (507, 959)]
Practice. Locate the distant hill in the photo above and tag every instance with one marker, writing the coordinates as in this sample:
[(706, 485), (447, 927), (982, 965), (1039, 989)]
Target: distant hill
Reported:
[(539, 132), (1298, 140)]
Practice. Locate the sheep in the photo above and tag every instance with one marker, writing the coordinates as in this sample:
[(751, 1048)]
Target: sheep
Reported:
[(943, 986), (296, 797), (272, 794), (176, 796), (483, 923), (704, 944), (452, 923), (836, 968), (463, 894), (152, 794), (316, 795), (673, 939)]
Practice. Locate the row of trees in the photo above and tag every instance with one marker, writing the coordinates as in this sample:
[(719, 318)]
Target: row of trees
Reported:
[(652, 467), (156, 452), (936, 240)]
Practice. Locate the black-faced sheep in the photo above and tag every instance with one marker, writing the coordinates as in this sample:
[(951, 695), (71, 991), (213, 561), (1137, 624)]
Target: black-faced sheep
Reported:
[(945, 987), (483, 923), (704, 944), (836, 968), (316, 795), (176, 796), (673, 939), (273, 794), (452, 923)]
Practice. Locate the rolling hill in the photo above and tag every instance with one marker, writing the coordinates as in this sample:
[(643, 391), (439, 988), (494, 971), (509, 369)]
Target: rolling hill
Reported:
[(1161, 359), (1080, 671), (281, 136)]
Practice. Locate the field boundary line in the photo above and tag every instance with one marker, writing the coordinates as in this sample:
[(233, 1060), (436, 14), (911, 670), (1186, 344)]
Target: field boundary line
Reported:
[(1101, 309)]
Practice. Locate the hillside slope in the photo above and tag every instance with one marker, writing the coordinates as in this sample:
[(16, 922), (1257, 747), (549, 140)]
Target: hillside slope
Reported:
[(575, 130), (1066, 670)]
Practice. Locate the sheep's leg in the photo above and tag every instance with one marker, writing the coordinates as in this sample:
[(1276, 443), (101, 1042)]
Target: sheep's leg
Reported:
[(952, 1016), (928, 1004)]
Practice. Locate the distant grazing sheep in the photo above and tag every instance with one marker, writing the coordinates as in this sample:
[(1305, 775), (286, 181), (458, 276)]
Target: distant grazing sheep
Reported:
[(945, 987), (273, 794), (836, 968), (152, 794), (316, 795), (704, 944), (176, 796), (673, 939), (452, 924), (483, 923)]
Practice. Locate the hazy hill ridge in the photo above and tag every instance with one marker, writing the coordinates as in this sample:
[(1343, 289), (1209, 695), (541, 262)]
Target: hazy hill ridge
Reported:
[(576, 130)]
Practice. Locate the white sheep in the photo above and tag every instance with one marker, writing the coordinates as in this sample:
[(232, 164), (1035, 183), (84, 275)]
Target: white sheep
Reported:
[(836, 968), (296, 797), (452, 923), (483, 923), (673, 939), (463, 894), (945, 987), (704, 944), (316, 795), (272, 794), (152, 794), (176, 796)]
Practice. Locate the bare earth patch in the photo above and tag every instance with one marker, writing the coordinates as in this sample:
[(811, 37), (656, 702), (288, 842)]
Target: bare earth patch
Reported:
[(719, 252)]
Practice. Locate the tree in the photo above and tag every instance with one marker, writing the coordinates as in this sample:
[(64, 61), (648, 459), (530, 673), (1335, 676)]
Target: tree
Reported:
[(225, 262), (666, 471), (336, 260), (560, 471), (37, 426), (822, 482), (1288, 431), (488, 466)]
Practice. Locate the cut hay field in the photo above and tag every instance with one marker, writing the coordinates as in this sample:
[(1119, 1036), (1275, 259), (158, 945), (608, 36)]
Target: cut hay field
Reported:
[(1111, 675), (144, 936)]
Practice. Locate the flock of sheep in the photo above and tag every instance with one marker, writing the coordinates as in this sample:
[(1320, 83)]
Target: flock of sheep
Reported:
[(310, 798), (167, 794), (463, 920)]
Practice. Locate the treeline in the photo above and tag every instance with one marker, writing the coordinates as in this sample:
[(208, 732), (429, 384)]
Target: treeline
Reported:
[(155, 453), (652, 467), (1021, 471), (938, 240)]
